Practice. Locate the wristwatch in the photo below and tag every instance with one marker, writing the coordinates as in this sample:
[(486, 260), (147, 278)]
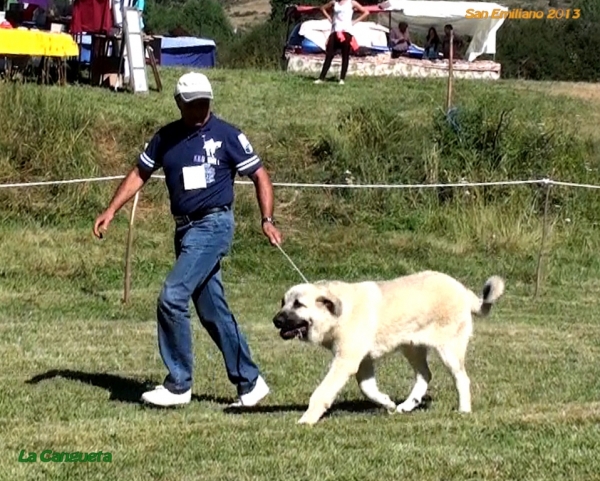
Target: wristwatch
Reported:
[(267, 219)]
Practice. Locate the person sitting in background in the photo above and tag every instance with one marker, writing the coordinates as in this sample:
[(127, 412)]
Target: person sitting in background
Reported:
[(457, 44), (432, 45), (400, 40)]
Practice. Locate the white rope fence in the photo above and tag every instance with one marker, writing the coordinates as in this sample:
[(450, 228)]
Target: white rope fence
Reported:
[(548, 183), (60, 182), (323, 186), (319, 186)]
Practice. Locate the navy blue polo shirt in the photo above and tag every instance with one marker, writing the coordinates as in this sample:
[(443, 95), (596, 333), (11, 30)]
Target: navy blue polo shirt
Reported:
[(199, 163)]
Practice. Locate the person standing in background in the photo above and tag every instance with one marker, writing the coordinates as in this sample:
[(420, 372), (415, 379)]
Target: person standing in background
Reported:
[(341, 33)]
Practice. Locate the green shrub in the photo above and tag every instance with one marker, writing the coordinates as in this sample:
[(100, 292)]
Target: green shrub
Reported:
[(482, 142), (566, 50), (260, 47), (201, 18)]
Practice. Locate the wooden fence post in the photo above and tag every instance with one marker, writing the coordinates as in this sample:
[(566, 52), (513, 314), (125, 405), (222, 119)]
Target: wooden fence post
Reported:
[(538, 279), (127, 282)]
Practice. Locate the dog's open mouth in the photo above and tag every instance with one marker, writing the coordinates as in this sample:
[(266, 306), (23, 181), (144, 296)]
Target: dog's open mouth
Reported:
[(299, 331)]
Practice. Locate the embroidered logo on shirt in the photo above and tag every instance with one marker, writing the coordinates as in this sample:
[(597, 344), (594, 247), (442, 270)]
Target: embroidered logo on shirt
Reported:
[(211, 147), (245, 144), (209, 173)]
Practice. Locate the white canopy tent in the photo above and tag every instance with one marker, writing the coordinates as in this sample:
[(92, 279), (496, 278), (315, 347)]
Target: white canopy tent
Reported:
[(420, 15)]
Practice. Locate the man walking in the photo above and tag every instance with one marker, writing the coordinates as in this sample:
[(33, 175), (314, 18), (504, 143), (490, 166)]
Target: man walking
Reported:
[(200, 155)]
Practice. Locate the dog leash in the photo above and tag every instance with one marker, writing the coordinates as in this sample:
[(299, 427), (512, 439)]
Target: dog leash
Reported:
[(292, 263)]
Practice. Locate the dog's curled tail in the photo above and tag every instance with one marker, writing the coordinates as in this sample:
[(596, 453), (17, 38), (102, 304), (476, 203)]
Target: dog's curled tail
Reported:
[(492, 291)]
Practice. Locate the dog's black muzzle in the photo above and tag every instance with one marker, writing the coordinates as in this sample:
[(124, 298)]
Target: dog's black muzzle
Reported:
[(279, 320), (290, 325)]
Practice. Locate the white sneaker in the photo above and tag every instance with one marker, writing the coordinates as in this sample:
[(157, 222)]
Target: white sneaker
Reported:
[(318, 81), (160, 396), (341, 82), (253, 397)]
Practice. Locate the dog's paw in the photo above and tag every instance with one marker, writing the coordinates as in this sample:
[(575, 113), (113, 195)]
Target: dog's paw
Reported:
[(308, 420), (408, 406), (389, 405)]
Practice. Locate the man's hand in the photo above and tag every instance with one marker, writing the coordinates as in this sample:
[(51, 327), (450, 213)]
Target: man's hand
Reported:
[(272, 233), (102, 222), (132, 183)]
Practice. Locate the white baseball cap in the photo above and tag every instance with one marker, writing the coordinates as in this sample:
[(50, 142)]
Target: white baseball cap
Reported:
[(193, 86)]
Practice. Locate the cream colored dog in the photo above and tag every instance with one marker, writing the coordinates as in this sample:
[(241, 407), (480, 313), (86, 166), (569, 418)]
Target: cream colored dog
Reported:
[(361, 322)]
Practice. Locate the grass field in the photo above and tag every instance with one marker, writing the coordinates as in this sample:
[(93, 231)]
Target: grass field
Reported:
[(74, 359)]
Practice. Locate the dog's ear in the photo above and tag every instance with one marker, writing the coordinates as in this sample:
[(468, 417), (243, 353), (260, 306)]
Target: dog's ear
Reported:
[(333, 304)]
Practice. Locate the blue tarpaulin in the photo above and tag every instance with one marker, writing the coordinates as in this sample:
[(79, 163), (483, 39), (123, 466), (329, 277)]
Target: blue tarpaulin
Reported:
[(195, 52), (85, 48), (192, 51)]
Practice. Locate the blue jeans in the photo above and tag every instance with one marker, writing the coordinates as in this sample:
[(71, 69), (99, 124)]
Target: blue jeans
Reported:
[(430, 53), (196, 275)]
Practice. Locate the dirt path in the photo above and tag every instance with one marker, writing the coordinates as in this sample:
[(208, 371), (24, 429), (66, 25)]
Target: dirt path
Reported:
[(248, 12)]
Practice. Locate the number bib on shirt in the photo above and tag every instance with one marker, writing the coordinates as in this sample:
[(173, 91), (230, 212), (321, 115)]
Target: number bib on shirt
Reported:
[(194, 177)]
